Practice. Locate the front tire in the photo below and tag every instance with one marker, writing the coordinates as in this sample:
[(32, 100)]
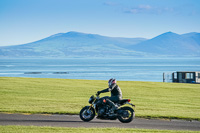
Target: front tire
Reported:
[(87, 113), (126, 114)]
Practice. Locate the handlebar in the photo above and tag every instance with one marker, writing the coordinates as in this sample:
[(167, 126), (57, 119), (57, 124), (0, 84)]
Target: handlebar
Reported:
[(97, 94)]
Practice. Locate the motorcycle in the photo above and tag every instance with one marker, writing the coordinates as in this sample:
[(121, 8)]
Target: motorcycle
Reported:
[(104, 111)]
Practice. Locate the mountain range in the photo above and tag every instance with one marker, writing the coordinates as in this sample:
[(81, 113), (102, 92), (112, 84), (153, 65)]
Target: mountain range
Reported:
[(76, 44)]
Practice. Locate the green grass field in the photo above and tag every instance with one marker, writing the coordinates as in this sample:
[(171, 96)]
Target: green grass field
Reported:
[(68, 96), (34, 129)]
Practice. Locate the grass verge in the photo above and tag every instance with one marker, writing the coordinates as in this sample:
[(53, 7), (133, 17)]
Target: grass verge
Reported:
[(68, 96), (35, 129)]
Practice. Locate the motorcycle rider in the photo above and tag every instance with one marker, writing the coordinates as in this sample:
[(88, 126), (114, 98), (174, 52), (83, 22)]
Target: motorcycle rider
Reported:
[(116, 94)]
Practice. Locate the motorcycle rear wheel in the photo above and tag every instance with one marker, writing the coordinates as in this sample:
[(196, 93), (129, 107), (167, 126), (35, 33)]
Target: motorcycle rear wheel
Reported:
[(126, 114), (87, 113)]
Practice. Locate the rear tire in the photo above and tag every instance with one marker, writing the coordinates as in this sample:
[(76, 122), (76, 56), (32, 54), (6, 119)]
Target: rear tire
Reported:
[(87, 113), (126, 114)]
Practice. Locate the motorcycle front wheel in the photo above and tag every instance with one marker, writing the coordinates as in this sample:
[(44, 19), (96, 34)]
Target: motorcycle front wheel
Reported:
[(126, 114), (87, 113)]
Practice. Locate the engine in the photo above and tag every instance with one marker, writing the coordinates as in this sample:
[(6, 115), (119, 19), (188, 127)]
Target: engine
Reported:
[(101, 111)]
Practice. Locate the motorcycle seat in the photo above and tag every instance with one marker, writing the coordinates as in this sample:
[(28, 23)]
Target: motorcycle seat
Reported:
[(123, 101)]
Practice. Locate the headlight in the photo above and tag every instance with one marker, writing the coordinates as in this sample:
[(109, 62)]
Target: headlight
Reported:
[(91, 99)]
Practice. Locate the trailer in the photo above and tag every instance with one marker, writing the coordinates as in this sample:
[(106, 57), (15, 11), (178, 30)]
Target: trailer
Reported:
[(186, 77)]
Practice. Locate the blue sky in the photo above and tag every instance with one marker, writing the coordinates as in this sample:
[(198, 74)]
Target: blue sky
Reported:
[(24, 21)]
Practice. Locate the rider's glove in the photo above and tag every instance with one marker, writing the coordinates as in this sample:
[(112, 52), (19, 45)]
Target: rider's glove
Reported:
[(98, 92)]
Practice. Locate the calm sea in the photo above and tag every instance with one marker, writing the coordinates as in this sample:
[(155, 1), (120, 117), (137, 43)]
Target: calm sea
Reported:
[(96, 69)]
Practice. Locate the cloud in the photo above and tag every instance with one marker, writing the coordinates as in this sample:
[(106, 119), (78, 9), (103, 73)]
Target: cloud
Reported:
[(110, 3), (139, 9), (148, 9), (129, 8), (145, 7)]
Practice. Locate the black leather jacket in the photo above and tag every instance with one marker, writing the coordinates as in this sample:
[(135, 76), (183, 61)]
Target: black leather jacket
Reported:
[(114, 89)]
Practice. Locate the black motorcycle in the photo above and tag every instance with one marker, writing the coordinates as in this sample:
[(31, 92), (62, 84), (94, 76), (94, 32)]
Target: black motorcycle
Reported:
[(105, 112)]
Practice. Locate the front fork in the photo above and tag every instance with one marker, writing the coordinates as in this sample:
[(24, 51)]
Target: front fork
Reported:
[(92, 105)]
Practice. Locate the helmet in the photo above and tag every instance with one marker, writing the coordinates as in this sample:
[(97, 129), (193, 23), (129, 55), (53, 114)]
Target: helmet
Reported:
[(111, 81)]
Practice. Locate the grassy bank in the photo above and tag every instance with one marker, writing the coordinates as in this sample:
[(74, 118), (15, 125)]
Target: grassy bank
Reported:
[(34, 129), (152, 100)]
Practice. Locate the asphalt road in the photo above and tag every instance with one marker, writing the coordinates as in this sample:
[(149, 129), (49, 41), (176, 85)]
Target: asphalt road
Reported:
[(75, 121)]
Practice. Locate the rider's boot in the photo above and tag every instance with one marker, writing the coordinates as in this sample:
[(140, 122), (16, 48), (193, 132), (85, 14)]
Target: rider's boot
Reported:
[(114, 107)]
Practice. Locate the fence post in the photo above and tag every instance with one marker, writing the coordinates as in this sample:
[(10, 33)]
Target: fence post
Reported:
[(163, 77)]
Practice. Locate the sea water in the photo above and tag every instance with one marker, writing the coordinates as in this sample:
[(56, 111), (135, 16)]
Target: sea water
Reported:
[(124, 69)]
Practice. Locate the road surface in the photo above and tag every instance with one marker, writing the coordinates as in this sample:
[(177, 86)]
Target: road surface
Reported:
[(75, 121)]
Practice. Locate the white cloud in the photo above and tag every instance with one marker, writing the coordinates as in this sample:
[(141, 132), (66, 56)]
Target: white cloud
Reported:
[(147, 9), (110, 3)]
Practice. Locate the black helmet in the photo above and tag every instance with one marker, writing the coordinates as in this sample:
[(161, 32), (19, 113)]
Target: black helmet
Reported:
[(111, 81)]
